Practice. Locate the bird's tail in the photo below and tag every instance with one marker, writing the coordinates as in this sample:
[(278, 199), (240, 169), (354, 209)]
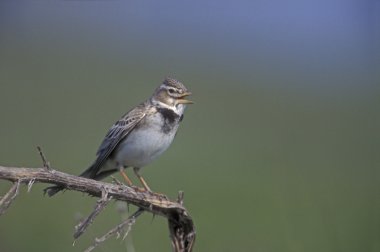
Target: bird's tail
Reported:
[(52, 190)]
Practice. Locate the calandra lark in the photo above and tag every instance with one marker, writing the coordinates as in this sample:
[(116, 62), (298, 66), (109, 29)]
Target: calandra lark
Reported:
[(141, 135)]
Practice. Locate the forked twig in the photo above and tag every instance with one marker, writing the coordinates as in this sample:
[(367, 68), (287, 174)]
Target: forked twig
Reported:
[(117, 230), (8, 198), (100, 205)]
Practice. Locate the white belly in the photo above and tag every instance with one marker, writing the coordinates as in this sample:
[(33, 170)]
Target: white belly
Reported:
[(143, 145)]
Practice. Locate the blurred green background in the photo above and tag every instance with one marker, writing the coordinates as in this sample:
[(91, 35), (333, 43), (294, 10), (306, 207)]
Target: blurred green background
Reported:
[(279, 153)]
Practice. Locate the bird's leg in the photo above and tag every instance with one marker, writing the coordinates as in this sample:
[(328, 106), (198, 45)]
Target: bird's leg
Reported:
[(129, 182), (136, 170)]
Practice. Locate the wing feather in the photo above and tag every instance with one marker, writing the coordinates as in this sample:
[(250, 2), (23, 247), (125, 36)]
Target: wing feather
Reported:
[(117, 132)]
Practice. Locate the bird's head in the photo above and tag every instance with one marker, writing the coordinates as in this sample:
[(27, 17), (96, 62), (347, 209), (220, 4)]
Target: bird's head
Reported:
[(172, 93)]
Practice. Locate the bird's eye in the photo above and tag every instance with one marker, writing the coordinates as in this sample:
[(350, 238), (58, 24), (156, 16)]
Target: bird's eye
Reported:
[(171, 91)]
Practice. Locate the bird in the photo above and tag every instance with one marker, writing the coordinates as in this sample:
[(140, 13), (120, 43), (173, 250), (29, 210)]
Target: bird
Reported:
[(140, 136)]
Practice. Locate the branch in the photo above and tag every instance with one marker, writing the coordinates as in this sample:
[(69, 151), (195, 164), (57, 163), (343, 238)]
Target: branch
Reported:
[(116, 230), (6, 201), (100, 205), (181, 229), (181, 226)]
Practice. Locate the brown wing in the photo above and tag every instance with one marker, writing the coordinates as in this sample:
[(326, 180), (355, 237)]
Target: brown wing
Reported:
[(117, 132)]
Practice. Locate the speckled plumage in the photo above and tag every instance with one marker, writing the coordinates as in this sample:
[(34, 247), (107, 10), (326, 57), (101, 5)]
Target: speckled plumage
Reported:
[(142, 134)]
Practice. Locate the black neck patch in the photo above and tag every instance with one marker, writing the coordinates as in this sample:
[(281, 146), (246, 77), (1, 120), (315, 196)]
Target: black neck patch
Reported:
[(168, 114), (170, 118)]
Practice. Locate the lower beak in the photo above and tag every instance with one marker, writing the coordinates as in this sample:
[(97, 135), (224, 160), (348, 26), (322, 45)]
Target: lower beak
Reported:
[(184, 101)]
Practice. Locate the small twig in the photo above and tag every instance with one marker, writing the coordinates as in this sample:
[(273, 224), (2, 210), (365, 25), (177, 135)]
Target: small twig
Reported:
[(116, 181), (180, 197), (116, 230), (45, 163), (100, 205), (30, 184), (129, 228), (6, 201)]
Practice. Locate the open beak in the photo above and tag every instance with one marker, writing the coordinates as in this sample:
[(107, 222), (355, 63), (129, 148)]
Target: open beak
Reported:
[(184, 101)]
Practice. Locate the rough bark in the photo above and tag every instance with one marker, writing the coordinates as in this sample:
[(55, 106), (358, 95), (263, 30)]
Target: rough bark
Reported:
[(181, 226)]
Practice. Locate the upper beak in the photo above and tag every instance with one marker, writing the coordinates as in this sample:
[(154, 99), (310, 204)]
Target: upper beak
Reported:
[(184, 101)]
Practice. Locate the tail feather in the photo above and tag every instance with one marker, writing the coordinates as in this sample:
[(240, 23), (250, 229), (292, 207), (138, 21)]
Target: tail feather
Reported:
[(90, 172), (52, 190)]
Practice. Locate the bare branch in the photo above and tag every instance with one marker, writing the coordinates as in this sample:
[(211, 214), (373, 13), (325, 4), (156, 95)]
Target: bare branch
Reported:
[(117, 230), (6, 201), (100, 205), (182, 232), (181, 226), (150, 201)]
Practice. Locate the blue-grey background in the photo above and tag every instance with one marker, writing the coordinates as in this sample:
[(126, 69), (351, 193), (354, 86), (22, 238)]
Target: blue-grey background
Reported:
[(279, 153)]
